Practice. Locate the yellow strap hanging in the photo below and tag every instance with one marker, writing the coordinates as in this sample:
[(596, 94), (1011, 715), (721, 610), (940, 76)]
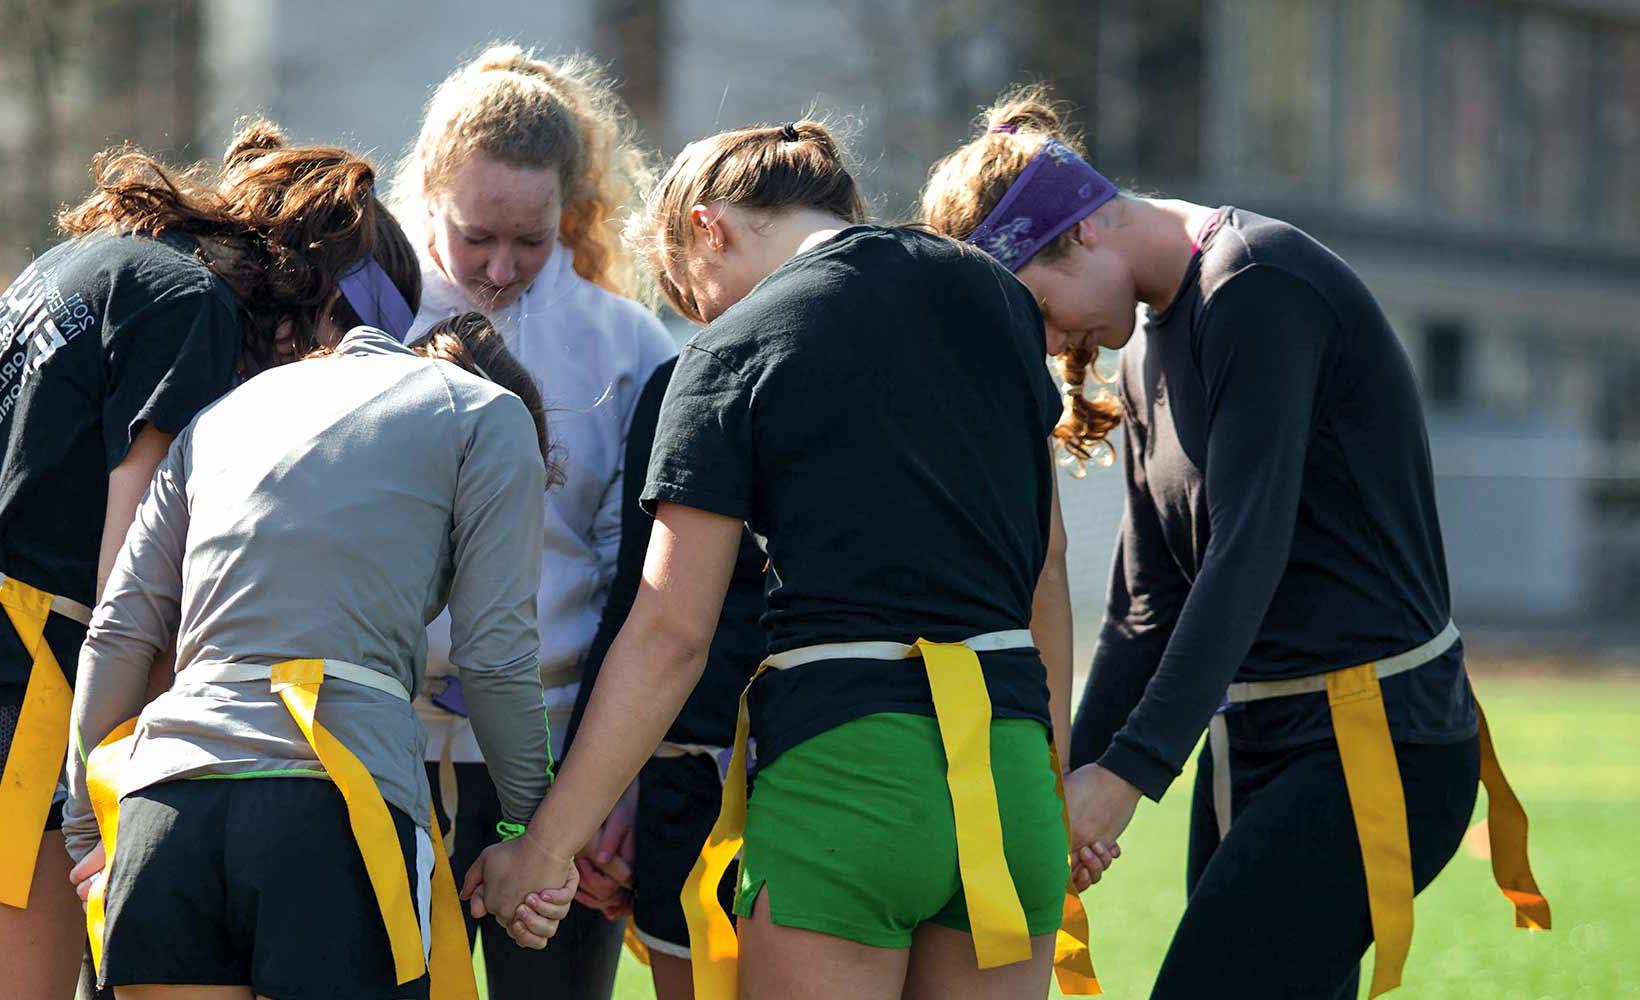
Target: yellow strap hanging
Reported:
[(451, 963), (1378, 802), (634, 943), (962, 707), (1072, 957), (38, 746), (1378, 805), (1506, 832), (714, 950), (297, 684), (102, 779)]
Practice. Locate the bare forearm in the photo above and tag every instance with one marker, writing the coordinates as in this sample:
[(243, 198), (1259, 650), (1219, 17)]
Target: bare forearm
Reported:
[(1051, 629), (126, 485), (1051, 624), (646, 677)]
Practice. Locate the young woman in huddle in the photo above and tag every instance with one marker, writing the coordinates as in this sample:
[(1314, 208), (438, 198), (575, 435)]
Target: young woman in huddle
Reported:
[(174, 286), (681, 786), (1279, 557), (509, 192), (874, 404), (294, 556)]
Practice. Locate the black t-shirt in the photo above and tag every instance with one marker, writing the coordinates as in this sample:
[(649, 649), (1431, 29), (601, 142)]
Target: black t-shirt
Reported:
[(877, 410), (1280, 513), (99, 337), (708, 717)]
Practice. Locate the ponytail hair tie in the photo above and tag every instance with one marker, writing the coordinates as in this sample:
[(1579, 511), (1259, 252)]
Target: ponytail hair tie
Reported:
[(1008, 127), (788, 132)]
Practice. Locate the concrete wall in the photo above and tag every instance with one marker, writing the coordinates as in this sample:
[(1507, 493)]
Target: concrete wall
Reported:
[(359, 71)]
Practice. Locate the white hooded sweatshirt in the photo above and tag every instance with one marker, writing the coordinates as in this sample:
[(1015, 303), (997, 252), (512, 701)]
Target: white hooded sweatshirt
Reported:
[(591, 351)]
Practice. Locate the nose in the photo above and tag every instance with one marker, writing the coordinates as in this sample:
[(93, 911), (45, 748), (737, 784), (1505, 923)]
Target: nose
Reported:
[(501, 269)]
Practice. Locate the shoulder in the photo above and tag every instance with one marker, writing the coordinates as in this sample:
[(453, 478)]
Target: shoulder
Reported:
[(617, 316), (165, 268), (137, 271), (955, 273), (489, 417), (1268, 295), (890, 256), (1255, 253)]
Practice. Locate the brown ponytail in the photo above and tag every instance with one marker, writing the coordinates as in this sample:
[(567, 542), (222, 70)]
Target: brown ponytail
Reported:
[(767, 168), (965, 186), (280, 224), (469, 341)]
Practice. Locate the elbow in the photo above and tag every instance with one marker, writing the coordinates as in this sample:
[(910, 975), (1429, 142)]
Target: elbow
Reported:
[(1058, 554), (667, 645), (1055, 565)]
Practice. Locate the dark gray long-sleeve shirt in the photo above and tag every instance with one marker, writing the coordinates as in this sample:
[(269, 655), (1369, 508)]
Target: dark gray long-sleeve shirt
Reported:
[(1280, 515), (329, 509)]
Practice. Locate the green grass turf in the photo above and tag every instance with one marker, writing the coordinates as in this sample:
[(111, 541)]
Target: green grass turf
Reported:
[(1571, 749)]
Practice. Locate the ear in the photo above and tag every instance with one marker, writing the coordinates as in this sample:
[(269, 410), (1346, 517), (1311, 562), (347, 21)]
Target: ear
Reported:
[(1086, 232), (709, 226)]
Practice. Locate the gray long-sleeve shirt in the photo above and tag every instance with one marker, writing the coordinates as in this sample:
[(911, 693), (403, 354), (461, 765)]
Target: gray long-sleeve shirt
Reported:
[(329, 509)]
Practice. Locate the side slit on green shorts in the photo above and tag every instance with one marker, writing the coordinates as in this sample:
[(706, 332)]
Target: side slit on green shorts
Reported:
[(852, 831)]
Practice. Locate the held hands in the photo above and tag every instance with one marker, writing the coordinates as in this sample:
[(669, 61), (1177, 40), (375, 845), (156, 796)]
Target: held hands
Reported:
[(504, 880), (85, 874), (536, 919), (1101, 806), (605, 865)]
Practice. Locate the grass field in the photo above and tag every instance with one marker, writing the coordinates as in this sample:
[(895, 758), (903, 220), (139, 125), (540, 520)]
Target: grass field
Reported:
[(1572, 750)]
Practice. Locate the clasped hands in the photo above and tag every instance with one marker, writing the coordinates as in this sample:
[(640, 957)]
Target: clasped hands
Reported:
[(1100, 806), (505, 880)]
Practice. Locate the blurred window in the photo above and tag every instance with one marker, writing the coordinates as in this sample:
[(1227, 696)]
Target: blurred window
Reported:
[(1617, 129), (1445, 362), (1467, 108), (1553, 142), (1284, 54), (1171, 74), (1378, 147)]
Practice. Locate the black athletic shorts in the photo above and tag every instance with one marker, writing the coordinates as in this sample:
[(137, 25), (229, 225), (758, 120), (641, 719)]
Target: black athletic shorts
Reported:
[(11, 709), (678, 800), (253, 882)]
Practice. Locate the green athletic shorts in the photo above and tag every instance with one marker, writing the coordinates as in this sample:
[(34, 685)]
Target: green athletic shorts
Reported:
[(851, 832)]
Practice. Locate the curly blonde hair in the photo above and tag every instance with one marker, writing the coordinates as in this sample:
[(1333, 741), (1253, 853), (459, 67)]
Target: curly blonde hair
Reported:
[(524, 111), (966, 185)]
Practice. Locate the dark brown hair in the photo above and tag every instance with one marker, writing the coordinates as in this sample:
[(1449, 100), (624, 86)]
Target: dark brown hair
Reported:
[(966, 185), (469, 341), (280, 224), (764, 167)]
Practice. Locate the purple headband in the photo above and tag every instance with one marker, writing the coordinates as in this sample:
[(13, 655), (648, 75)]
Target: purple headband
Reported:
[(377, 300), (1057, 190)]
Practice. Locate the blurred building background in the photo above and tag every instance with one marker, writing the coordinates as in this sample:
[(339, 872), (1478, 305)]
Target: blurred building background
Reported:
[(1478, 161)]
